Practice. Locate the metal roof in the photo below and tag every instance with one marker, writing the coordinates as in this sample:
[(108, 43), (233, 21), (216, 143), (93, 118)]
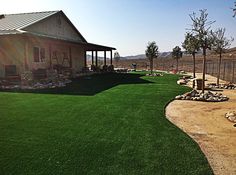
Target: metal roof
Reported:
[(86, 45), (15, 22)]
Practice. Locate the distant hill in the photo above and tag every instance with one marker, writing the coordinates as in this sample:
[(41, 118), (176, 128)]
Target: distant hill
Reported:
[(135, 57), (231, 51), (165, 54), (143, 56)]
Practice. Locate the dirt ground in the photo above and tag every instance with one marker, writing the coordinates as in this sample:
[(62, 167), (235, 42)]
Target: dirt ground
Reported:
[(206, 124)]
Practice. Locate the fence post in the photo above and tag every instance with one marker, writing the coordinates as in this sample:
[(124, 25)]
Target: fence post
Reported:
[(233, 72)]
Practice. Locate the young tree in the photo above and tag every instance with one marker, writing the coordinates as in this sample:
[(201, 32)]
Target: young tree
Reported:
[(177, 54), (151, 53), (221, 43), (191, 45), (117, 57), (201, 30)]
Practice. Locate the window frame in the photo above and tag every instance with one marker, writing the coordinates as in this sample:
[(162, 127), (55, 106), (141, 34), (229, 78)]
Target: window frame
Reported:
[(41, 54), (34, 49), (8, 70)]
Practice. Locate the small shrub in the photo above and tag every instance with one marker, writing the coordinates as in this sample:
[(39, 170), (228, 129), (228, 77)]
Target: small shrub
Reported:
[(105, 68), (95, 68), (110, 68)]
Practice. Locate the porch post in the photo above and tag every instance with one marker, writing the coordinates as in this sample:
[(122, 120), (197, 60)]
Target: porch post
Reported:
[(26, 56), (105, 58), (96, 58), (50, 55), (111, 57), (92, 58), (85, 58)]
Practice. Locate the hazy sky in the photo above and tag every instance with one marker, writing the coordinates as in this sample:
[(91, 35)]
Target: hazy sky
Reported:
[(128, 25)]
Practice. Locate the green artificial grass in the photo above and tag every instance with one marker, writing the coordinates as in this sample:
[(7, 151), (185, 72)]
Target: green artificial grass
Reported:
[(102, 124)]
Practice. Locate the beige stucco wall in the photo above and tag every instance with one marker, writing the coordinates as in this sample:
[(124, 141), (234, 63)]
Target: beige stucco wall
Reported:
[(77, 58), (60, 47), (15, 49), (11, 53), (56, 26)]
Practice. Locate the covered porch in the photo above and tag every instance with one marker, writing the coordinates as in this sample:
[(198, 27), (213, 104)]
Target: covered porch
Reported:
[(94, 50)]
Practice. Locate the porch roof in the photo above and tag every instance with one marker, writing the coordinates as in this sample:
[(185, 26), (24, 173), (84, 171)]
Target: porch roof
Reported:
[(96, 47), (87, 46)]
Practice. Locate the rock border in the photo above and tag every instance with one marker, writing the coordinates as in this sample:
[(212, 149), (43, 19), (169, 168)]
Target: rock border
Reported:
[(199, 96)]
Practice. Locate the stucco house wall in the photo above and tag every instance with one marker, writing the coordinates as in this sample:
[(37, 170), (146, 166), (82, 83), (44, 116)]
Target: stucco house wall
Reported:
[(18, 50), (11, 53)]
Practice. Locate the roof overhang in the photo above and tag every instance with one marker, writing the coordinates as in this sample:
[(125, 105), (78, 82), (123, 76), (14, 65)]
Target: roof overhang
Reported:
[(87, 46), (96, 47)]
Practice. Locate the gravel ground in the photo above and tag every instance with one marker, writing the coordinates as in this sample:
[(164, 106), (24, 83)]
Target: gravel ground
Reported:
[(206, 124)]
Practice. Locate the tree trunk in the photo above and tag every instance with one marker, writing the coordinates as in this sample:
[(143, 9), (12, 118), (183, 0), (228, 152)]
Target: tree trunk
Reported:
[(204, 70), (151, 65), (194, 69), (218, 75), (177, 66)]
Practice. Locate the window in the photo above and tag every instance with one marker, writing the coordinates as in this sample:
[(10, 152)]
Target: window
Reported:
[(42, 54), (36, 54), (10, 70), (39, 54)]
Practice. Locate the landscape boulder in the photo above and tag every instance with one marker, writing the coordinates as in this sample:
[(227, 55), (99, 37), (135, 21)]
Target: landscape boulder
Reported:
[(231, 116), (154, 75), (182, 82), (223, 86), (199, 96), (40, 84)]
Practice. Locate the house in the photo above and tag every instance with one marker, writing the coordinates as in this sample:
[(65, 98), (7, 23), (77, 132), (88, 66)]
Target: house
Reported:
[(43, 41)]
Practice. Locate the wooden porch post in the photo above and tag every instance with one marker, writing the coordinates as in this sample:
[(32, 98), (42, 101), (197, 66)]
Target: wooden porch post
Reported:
[(111, 57), (92, 58), (50, 56), (26, 56), (85, 58), (105, 58), (96, 58)]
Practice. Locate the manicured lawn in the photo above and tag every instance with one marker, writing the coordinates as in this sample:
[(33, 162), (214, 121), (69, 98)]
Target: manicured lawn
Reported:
[(105, 124)]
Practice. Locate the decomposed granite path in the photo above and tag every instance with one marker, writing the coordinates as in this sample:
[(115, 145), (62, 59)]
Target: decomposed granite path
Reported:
[(206, 124)]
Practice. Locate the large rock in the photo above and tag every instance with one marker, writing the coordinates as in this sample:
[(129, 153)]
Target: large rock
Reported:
[(182, 82), (228, 85), (179, 97), (231, 116), (199, 96)]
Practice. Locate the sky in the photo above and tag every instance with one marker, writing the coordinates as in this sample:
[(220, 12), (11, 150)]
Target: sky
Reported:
[(128, 25)]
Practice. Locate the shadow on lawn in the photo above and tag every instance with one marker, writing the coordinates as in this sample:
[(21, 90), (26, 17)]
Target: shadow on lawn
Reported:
[(90, 85)]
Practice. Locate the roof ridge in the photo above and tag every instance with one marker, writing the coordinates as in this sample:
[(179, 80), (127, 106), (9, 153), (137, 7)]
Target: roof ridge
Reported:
[(53, 12), (33, 12)]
